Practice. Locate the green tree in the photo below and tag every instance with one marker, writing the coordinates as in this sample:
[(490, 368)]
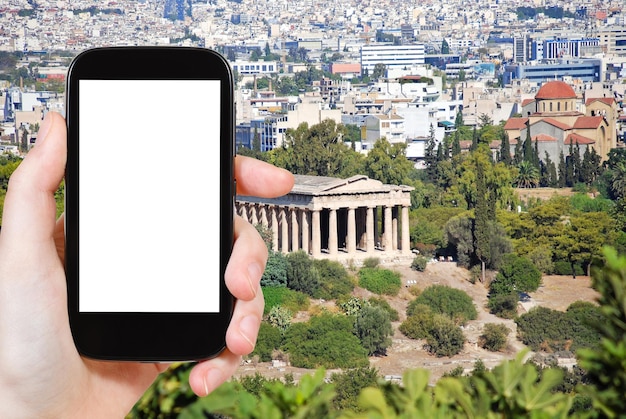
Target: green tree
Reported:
[(494, 336), (373, 328), (301, 273), (275, 274), (448, 301), (380, 71), (528, 175), (387, 163)]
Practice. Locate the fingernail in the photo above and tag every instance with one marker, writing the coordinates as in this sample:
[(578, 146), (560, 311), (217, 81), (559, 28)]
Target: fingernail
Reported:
[(44, 129), (212, 379), (254, 276), (249, 328)]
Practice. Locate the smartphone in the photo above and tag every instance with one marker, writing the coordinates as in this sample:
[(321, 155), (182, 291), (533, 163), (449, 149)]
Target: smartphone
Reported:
[(149, 198)]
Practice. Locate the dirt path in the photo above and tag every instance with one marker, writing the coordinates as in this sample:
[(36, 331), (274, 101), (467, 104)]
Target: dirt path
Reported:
[(556, 292)]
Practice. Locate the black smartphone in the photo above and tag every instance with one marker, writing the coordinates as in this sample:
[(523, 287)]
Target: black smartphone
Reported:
[(149, 196)]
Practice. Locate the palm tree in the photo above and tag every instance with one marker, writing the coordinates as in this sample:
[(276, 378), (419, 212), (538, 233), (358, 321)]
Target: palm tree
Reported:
[(528, 176), (618, 180)]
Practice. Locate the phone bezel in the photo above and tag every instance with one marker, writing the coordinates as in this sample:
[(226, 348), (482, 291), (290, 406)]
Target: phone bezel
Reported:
[(150, 337)]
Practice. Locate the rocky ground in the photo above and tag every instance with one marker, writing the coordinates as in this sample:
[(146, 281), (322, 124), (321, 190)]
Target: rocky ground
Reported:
[(556, 292)]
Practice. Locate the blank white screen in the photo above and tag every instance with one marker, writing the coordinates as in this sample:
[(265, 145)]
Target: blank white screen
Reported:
[(149, 196)]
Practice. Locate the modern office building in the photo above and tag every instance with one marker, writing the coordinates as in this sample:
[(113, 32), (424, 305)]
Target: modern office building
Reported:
[(549, 49), (613, 40), (392, 56), (586, 70)]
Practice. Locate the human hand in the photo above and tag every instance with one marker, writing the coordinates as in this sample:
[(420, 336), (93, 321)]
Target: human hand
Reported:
[(41, 373)]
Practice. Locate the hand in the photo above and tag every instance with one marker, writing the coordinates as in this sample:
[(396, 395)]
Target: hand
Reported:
[(41, 373)]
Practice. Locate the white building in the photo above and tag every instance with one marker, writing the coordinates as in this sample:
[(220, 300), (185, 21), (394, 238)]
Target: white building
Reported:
[(392, 56)]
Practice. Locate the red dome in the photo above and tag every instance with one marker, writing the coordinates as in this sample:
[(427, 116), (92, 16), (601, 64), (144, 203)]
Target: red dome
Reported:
[(555, 90)]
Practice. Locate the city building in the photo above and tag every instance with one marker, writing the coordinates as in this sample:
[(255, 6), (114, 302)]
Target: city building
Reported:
[(391, 56), (585, 70)]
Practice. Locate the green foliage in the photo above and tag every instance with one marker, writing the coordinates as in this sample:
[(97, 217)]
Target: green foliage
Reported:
[(563, 267), (325, 341), (380, 281), (606, 365), (516, 274), (353, 306), (551, 330), (280, 318), (302, 275), (269, 339), (387, 163), (280, 296), (445, 338), (275, 274), (503, 305), (418, 323), (373, 328), (371, 262), (311, 398), (382, 303), (334, 281), (419, 263), (349, 384), (451, 302), (494, 337)]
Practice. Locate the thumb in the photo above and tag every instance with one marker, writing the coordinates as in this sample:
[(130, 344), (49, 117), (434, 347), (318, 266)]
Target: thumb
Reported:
[(29, 207)]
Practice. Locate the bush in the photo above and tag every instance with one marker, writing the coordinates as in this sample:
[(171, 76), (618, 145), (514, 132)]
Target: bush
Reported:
[(382, 303), (518, 273), (418, 324), (419, 263), (301, 273), (275, 274), (334, 281), (280, 318), (325, 341), (289, 299), (444, 337), (380, 281), (268, 340), (348, 385), (494, 336), (451, 302), (371, 263), (563, 267), (504, 305), (373, 328)]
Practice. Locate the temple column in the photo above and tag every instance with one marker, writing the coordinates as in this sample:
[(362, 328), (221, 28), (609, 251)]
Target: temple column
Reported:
[(351, 239), (284, 230), (332, 232), (406, 238), (264, 220), (295, 231), (388, 228), (274, 216), (243, 211), (316, 234), (254, 220), (394, 227), (369, 230), (304, 215)]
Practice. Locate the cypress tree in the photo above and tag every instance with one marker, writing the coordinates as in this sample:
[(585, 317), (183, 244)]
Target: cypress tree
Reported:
[(505, 149)]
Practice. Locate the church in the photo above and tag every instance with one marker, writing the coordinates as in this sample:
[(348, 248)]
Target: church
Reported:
[(558, 119)]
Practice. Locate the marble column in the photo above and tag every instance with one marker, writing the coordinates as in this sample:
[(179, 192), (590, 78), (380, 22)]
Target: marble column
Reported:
[(351, 239), (406, 237), (332, 232), (388, 230), (394, 227), (274, 216), (304, 227), (254, 219), (264, 220), (243, 211), (316, 234), (369, 227), (284, 230), (295, 231)]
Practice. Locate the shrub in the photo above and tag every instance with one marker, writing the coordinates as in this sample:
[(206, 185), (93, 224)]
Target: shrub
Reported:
[(371, 262), (325, 341), (349, 383), (380, 281), (444, 337), (494, 336), (302, 275), (519, 274), (280, 318), (418, 324), (268, 340), (289, 299), (504, 305), (373, 328), (451, 302), (275, 274), (563, 267), (334, 281), (541, 257), (419, 263), (382, 303)]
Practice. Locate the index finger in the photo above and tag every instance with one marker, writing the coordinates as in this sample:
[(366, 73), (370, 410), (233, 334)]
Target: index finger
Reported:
[(257, 178)]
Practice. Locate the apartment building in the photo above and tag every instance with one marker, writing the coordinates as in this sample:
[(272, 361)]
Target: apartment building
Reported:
[(392, 56)]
